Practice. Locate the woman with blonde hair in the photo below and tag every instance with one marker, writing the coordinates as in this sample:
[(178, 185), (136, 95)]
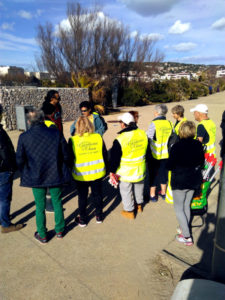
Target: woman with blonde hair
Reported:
[(89, 167), (185, 161)]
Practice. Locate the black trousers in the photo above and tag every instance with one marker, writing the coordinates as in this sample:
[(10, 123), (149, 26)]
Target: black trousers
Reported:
[(96, 189)]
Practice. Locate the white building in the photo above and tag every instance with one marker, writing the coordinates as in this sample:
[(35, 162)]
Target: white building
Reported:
[(11, 70), (220, 73)]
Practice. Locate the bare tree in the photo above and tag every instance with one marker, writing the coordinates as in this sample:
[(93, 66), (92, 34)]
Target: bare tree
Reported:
[(95, 45)]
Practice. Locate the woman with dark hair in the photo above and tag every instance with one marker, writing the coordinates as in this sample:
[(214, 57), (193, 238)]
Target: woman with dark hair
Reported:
[(53, 98)]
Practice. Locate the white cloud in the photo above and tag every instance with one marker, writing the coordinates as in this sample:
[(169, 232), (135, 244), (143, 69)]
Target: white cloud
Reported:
[(7, 26), (39, 12), (184, 47), (65, 24), (25, 14), (150, 7), (15, 39), (200, 59), (152, 36), (179, 28), (219, 24), (7, 45)]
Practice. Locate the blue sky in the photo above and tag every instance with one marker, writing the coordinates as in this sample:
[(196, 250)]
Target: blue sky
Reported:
[(189, 31)]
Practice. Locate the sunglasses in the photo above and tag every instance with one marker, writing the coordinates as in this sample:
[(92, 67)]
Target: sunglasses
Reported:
[(84, 110), (54, 97)]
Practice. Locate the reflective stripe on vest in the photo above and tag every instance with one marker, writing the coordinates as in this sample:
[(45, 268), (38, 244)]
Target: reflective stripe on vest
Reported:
[(210, 127), (176, 128), (132, 164), (163, 130), (49, 123), (88, 164)]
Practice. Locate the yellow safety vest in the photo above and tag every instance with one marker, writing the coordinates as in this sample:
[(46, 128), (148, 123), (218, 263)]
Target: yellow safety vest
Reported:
[(134, 145), (210, 127), (49, 123), (176, 128), (163, 130), (89, 163)]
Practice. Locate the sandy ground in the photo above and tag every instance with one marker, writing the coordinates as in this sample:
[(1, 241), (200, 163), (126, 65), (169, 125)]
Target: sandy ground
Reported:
[(119, 259)]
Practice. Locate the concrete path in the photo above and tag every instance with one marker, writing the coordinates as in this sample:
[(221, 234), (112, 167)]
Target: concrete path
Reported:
[(119, 259)]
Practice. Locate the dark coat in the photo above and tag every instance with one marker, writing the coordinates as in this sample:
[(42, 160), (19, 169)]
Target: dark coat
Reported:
[(186, 161), (42, 157), (7, 153)]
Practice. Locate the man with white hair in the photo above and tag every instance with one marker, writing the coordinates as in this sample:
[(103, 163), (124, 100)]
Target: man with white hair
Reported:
[(158, 133), (128, 160), (206, 129)]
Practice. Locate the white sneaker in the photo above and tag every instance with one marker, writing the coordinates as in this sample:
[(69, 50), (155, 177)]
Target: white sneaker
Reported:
[(180, 238)]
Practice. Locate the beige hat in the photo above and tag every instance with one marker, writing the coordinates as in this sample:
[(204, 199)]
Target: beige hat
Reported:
[(126, 118), (202, 108)]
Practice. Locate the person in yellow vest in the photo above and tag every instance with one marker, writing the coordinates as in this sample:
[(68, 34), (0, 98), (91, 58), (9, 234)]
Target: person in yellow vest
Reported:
[(158, 133), (89, 157), (206, 129), (128, 157), (178, 115), (49, 110)]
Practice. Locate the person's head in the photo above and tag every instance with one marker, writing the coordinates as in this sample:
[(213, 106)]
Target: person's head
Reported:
[(1, 112), (200, 112), (126, 120), (160, 110), (35, 117), (84, 125), (53, 97), (135, 114), (178, 112), (48, 109), (85, 108), (187, 130)]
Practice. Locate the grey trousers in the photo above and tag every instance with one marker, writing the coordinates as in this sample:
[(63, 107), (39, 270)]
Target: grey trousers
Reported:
[(182, 205), (131, 191)]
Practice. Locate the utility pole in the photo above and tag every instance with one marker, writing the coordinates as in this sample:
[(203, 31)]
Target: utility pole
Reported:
[(218, 259)]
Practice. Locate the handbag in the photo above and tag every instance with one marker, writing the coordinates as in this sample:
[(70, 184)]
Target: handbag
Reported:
[(173, 139)]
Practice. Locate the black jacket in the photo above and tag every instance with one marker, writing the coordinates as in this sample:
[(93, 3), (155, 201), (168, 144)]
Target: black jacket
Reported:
[(186, 161), (116, 151), (42, 157), (7, 153)]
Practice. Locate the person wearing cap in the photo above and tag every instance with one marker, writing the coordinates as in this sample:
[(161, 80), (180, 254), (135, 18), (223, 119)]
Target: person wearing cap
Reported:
[(206, 129), (7, 169), (158, 133), (100, 126), (128, 157)]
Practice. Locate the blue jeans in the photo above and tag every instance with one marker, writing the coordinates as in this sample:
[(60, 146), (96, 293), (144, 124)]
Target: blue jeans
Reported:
[(6, 180)]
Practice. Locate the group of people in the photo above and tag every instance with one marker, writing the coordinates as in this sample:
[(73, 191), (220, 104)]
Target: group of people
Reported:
[(47, 162)]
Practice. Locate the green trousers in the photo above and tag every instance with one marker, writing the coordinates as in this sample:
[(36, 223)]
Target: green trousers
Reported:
[(40, 201)]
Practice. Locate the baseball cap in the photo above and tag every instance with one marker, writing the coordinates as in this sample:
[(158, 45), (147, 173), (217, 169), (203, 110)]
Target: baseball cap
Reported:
[(126, 118), (202, 108)]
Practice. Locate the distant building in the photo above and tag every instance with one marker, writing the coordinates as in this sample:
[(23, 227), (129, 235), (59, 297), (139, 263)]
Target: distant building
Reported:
[(11, 70), (38, 75), (220, 73), (176, 76)]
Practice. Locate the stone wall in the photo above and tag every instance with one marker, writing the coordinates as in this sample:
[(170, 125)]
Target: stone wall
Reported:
[(12, 96)]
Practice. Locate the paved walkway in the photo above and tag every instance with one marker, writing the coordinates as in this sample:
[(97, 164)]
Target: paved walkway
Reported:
[(119, 259)]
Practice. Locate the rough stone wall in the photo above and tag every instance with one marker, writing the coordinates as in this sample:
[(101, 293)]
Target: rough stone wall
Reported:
[(12, 96)]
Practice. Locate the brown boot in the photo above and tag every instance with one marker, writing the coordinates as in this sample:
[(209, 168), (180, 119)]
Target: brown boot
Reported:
[(139, 208), (127, 214), (11, 228)]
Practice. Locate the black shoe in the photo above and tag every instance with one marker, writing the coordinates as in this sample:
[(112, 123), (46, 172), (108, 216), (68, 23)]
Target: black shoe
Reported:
[(80, 222), (99, 219), (59, 235), (39, 239)]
